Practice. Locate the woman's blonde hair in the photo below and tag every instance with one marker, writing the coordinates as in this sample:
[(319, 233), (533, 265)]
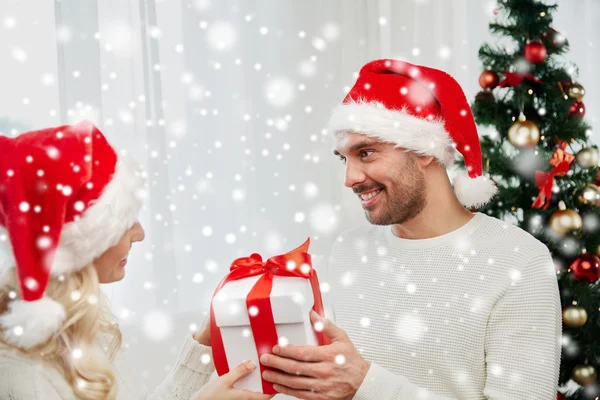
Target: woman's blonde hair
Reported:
[(89, 323)]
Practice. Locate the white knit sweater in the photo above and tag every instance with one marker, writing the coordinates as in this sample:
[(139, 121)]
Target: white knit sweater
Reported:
[(472, 314), (26, 378)]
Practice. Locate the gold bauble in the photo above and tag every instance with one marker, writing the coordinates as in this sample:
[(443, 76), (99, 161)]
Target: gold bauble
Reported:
[(587, 157), (565, 220), (590, 194), (576, 91), (574, 317), (523, 133), (584, 374)]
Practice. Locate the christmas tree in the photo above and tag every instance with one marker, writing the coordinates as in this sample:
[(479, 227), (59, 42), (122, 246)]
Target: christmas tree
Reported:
[(536, 147)]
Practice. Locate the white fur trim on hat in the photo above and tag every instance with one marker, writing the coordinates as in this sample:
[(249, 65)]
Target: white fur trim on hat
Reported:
[(100, 227), (7, 259), (29, 323), (395, 126), (104, 223), (473, 192)]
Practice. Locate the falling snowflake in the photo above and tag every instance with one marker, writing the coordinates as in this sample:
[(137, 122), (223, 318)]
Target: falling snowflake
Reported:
[(323, 219), (221, 36), (273, 242), (279, 92), (117, 37), (331, 31), (319, 43), (410, 328), (157, 325)]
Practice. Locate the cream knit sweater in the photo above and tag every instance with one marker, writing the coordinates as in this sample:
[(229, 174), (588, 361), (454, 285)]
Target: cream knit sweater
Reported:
[(26, 378), (472, 314)]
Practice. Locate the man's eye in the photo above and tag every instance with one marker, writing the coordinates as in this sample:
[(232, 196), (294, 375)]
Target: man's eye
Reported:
[(366, 153), (343, 160)]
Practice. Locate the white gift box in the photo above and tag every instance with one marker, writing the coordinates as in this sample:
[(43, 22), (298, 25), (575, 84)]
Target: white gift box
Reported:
[(291, 302)]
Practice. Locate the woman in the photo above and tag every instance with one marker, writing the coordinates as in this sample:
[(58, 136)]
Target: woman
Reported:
[(68, 218)]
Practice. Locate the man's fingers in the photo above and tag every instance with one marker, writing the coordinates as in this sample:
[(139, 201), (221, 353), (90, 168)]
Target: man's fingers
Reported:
[(242, 370), (299, 394), (290, 366), (291, 381), (300, 353), (324, 325)]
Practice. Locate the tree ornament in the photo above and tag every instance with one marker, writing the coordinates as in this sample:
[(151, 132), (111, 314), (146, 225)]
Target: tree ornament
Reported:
[(584, 374), (598, 250), (587, 157), (485, 96), (523, 133), (565, 220), (535, 52), (577, 110), (561, 162), (576, 91), (553, 39), (514, 79), (586, 266), (488, 79), (590, 194), (574, 317)]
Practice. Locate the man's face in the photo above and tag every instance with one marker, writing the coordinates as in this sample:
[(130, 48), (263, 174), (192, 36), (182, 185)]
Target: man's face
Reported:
[(387, 180)]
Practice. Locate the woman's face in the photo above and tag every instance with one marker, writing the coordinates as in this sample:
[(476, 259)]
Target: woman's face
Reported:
[(110, 266)]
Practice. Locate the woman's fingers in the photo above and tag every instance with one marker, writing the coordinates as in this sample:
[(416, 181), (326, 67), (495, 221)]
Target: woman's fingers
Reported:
[(246, 395), (242, 370)]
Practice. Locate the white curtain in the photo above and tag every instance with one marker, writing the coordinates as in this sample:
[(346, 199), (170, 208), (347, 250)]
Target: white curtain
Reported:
[(225, 104)]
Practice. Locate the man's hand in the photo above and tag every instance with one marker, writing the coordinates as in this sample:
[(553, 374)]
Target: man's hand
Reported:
[(335, 371)]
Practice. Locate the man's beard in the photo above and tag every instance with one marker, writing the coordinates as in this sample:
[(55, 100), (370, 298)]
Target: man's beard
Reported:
[(401, 204)]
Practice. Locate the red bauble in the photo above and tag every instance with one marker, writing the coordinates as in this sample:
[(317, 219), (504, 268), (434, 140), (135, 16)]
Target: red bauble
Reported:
[(560, 396), (488, 79), (535, 52), (586, 266), (577, 110)]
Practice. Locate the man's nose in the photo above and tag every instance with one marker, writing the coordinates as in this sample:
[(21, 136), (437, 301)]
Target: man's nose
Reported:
[(353, 175)]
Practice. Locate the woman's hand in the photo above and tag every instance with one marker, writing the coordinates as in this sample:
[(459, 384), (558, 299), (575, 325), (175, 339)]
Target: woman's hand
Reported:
[(222, 387), (202, 336)]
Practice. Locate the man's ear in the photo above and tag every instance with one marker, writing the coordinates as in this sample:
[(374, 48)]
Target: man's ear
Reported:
[(424, 161)]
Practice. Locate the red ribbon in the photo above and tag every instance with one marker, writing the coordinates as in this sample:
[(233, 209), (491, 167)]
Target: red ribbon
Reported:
[(263, 324), (561, 160), (514, 79)]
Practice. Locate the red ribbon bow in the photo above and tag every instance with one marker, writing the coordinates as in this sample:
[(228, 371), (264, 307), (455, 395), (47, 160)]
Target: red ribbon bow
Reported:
[(296, 263), (561, 160), (514, 79)]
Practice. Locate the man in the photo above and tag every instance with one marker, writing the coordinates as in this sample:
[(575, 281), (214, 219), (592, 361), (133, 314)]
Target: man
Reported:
[(433, 301)]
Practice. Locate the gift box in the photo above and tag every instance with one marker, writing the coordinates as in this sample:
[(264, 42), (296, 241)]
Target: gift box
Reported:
[(260, 304)]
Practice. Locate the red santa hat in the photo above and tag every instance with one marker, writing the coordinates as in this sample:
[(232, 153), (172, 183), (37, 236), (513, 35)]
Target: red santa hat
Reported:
[(65, 198), (420, 109)]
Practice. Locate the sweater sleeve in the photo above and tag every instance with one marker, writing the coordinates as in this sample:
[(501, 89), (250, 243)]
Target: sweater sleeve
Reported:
[(18, 383), (523, 336), (190, 373), (522, 343)]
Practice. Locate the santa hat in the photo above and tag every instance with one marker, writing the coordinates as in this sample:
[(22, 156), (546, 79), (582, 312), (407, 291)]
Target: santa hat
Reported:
[(419, 109), (65, 198)]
